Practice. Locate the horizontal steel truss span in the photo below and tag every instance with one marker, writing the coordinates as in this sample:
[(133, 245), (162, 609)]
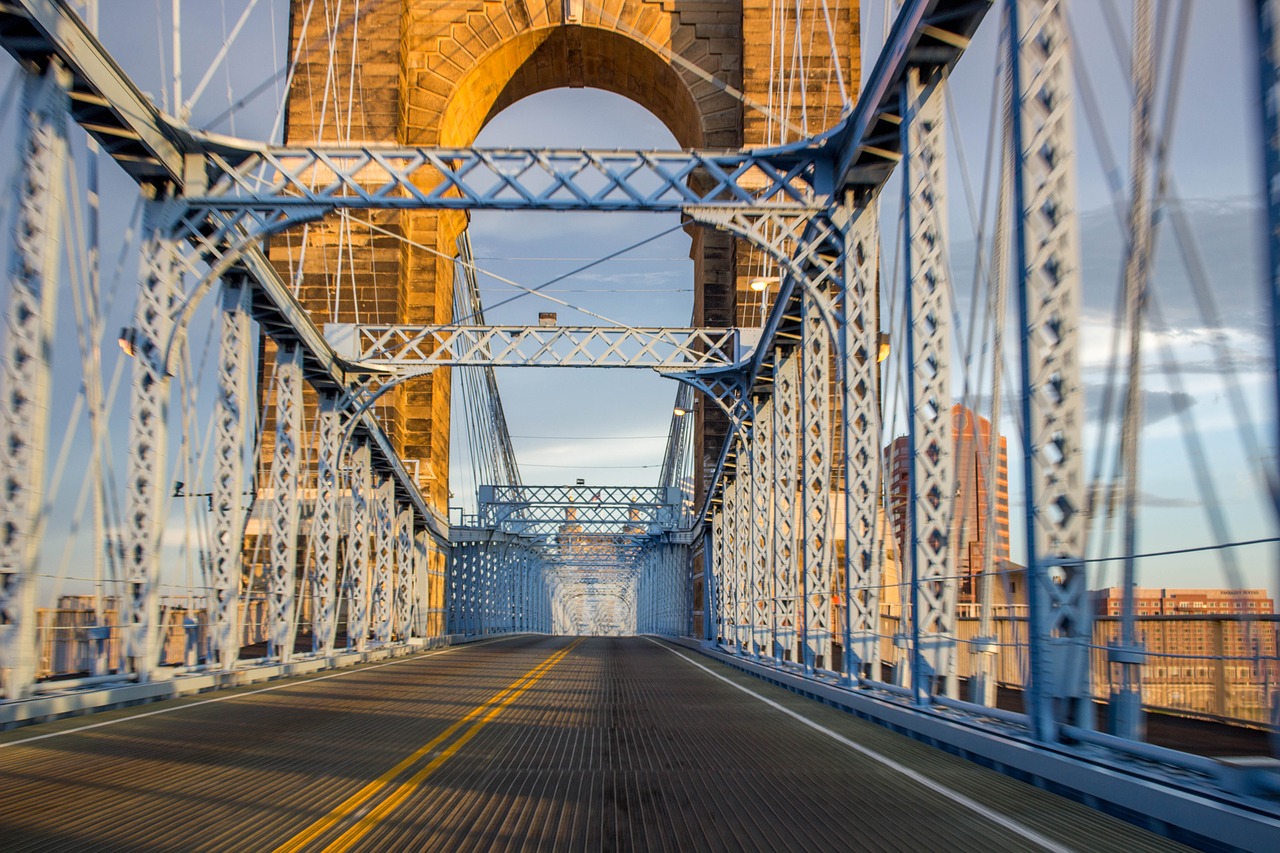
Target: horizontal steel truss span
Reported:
[(794, 178), (391, 348)]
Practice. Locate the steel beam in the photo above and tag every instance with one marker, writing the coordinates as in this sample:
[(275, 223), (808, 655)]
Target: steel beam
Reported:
[(26, 367), (816, 493), (932, 482), (1047, 264), (762, 566), (283, 507), (384, 558), (859, 346), (324, 525), (405, 575), (233, 414), (1267, 29), (786, 495), (356, 586), (151, 337), (392, 177), (400, 348)]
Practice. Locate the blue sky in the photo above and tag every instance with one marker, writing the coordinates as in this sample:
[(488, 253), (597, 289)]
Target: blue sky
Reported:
[(609, 427)]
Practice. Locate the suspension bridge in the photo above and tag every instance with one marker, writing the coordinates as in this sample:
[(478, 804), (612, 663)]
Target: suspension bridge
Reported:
[(272, 576)]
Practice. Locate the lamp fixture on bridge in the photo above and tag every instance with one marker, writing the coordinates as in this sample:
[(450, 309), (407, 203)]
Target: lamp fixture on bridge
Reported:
[(129, 341), (679, 412), (762, 283)]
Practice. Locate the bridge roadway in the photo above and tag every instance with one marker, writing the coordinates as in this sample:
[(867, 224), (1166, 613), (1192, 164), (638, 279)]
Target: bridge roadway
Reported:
[(529, 742)]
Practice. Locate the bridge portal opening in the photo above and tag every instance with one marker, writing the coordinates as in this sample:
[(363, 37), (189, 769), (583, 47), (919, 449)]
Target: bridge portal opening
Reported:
[(588, 443)]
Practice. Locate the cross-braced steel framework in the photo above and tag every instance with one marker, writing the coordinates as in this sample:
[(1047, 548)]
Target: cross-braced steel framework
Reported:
[(541, 562)]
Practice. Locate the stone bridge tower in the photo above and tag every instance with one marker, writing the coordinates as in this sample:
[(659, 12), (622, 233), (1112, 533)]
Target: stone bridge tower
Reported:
[(433, 72)]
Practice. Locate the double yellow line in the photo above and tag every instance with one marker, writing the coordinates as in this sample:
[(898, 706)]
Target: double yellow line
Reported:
[(477, 719)]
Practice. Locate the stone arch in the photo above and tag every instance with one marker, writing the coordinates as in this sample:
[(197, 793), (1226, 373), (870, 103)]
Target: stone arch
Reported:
[(459, 71), (649, 52)]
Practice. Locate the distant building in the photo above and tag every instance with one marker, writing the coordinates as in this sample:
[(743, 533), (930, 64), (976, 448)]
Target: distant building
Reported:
[(1174, 602), (971, 434), (1211, 651)]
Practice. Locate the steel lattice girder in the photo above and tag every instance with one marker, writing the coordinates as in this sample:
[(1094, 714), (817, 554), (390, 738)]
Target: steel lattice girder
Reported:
[(283, 507), (786, 492), (816, 493), (325, 525), (762, 581), (384, 558), (159, 291), (356, 588), (1047, 249), (369, 176), (543, 510), (26, 377), (232, 413), (389, 347), (933, 583), (860, 421)]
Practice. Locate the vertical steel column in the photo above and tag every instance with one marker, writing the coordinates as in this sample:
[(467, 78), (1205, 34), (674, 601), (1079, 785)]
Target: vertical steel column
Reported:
[(421, 583), (356, 563), (762, 531), (786, 405), (324, 525), (232, 413), (1268, 35), (715, 589), (730, 584), (742, 538), (404, 574), (1047, 260), (384, 555), (26, 367), (815, 496), (282, 510), (154, 330), (932, 490), (863, 459)]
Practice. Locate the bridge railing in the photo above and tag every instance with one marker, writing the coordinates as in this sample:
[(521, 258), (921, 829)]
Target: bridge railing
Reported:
[(1214, 667)]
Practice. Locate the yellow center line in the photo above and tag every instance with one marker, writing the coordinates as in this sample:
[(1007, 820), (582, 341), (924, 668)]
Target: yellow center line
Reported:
[(505, 697), (368, 821)]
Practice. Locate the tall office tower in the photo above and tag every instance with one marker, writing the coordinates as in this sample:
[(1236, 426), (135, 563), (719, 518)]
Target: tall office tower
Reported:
[(972, 525)]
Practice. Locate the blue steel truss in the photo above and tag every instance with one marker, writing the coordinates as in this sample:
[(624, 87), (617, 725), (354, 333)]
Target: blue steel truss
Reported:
[(550, 563)]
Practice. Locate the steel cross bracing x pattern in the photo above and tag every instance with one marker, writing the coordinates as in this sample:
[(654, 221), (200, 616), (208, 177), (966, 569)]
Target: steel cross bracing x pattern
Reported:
[(860, 417), (1048, 268), (384, 558), (816, 493), (932, 487), (719, 631), (390, 347), (786, 493), (761, 459), (25, 382), (324, 525), (742, 540), (283, 506), (422, 584), (732, 564), (159, 294), (402, 610), (232, 413), (356, 568), (792, 178)]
